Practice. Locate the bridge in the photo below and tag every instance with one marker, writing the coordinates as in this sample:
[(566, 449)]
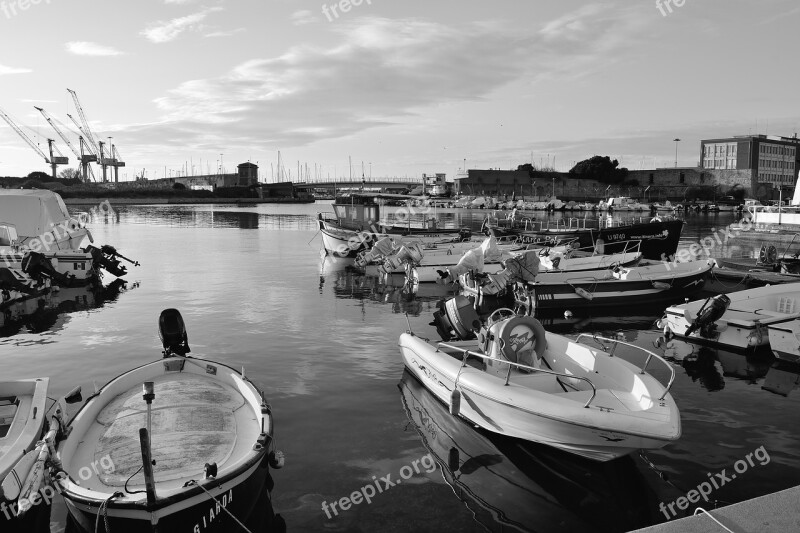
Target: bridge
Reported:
[(375, 184)]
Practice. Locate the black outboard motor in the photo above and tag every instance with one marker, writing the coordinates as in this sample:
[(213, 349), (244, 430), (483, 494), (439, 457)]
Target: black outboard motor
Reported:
[(456, 318), (172, 331), (9, 282), (38, 267), (712, 310), (108, 258)]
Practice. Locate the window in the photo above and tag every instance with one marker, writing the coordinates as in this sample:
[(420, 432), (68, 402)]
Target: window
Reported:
[(652, 178), (683, 178)]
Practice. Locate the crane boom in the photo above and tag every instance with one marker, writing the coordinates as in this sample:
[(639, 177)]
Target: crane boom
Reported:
[(24, 136), (87, 131), (91, 149), (64, 138)]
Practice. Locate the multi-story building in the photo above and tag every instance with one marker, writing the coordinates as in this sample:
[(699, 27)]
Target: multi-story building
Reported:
[(773, 161)]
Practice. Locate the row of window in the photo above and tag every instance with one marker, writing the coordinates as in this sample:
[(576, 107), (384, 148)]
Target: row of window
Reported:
[(775, 178), (722, 164), (784, 165), (775, 149), (720, 149)]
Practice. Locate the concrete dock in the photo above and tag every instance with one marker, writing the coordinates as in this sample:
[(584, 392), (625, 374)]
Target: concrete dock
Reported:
[(774, 513)]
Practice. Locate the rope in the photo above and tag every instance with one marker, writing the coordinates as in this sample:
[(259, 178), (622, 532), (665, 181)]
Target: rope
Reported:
[(700, 509), (193, 482), (741, 281), (103, 510)]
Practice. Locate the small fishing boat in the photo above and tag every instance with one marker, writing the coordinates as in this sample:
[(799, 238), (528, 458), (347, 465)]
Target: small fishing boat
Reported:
[(738, 320), (517, 380), (357, 224), (179, 444), (659, 235), (22, 424), (660, 282)]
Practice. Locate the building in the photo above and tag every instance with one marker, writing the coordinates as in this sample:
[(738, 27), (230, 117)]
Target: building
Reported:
[(773, 161), (246, 176)]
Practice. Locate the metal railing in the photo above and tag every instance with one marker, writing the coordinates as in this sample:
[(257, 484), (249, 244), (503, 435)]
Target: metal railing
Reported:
[(511, 365), (650, 356)]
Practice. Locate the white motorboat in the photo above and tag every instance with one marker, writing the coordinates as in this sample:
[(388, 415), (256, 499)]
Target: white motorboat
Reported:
[(37, 222), (738, 320), (623, 203), (520, 381), (202, 459)]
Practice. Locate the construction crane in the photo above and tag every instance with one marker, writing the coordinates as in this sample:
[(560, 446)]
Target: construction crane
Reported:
[(53, 160), (113, 159), (84, 159)]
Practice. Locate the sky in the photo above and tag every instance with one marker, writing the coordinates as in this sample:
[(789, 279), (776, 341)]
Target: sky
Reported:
[(400, 88)]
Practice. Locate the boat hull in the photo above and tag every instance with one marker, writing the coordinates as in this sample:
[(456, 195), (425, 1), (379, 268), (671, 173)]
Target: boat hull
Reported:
[(485, 403), (659, 239), (240, 496)]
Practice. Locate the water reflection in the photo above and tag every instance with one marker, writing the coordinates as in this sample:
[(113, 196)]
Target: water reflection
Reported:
[(50, 312), (512, 484), (348, 282)]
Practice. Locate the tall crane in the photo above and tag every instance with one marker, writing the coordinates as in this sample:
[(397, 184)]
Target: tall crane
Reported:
[(53, 160), (84, 159), (105, 162)]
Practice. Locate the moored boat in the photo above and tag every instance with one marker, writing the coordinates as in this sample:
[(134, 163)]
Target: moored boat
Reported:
[(200, 463), (517, 380), (738, 320), (616, 286), (659, 235), (22, 423)]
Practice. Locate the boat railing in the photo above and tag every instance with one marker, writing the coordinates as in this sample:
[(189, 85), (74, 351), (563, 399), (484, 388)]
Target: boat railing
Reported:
[(650, 356), (467, 353)]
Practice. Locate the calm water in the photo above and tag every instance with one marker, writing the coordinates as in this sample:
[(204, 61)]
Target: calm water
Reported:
[(322, 342)]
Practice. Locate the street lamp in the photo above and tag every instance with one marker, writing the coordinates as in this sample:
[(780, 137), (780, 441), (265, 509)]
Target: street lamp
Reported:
[(676, 151)]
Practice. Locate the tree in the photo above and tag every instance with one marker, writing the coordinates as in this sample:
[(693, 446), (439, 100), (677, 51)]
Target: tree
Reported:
[(600, 168), (40, 176), (70, 174)]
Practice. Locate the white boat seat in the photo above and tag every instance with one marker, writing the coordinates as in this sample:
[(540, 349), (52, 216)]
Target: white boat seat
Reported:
[(8, 411), (193, 423)]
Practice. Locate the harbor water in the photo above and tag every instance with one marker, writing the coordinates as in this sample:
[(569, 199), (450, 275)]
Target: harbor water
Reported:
[(367, 448)]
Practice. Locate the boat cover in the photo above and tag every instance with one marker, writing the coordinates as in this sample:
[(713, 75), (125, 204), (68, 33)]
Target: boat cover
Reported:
[(33, 212)]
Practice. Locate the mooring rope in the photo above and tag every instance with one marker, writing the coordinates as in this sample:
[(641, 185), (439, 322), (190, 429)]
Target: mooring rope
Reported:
[(103, 510), (193, 482)]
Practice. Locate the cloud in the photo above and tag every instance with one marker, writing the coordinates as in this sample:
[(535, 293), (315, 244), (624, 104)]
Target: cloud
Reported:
[(380, 72), (226, 33), (303, 17), (11, 70), (85, 48), (163, 32)]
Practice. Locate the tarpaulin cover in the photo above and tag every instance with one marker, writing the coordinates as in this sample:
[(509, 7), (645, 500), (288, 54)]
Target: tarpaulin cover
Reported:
[(33, 212)]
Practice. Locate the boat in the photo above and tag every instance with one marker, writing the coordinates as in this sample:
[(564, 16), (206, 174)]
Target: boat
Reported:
[(22, 424), (738, 320), (659, 235), (618, 286), (178, 444), (37, 222), (357, 224), (623, 203), (509, 484), (520, 381), (784, 340)]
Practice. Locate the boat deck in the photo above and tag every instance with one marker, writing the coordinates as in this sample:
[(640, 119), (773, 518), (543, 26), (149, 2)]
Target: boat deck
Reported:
[(195, 420)]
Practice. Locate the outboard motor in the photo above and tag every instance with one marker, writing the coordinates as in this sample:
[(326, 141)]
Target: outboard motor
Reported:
[(108, 258), (711, 311), (456, 318), (172, 331), (38, 267), (9, 282)]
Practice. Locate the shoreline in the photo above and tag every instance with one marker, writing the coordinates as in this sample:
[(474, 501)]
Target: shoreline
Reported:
[(182, 201)]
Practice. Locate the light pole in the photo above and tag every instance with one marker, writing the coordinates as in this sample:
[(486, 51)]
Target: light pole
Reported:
[(676, 151), (554, 187)]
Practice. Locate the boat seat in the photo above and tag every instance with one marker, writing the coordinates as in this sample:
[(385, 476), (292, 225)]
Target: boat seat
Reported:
[(193, 423)]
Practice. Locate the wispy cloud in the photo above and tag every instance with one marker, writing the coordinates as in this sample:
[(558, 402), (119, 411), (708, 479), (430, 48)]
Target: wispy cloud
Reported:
[(35, 101), (86, 48), (226, 33), (11, 70), (166, 31), (303, 17)]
